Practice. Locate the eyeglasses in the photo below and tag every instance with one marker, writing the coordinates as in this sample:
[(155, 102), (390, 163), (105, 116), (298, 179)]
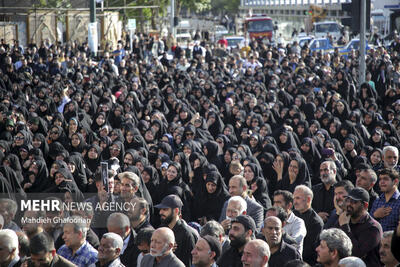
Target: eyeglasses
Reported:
[(19, 138), (189, 134), (53, 132)]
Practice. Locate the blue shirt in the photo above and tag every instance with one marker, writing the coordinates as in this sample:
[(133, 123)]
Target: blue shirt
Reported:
[(85, 256), (388, 222)]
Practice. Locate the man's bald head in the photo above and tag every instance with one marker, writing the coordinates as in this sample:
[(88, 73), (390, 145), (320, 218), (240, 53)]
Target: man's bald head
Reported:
[(273, 219)]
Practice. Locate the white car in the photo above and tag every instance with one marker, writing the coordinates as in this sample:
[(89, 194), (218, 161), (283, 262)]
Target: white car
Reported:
[(235, 41), (220, 30)]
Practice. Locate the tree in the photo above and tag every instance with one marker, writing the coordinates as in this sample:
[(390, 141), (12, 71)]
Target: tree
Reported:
[(230, 7), (194, 5)]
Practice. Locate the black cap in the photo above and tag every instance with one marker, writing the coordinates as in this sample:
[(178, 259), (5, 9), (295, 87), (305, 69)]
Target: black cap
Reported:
[(214, 245), (170, 201), (359, 194), (246, 221)]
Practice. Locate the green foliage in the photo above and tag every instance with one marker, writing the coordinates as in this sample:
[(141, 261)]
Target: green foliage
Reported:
[(53, 4), (225, 6)]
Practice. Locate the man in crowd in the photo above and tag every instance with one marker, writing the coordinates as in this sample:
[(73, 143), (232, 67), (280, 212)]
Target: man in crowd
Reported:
[(142, 241), (206, 252), (8, 209), (130, 183), (294, 226), (238, 187), (213, 228), (170, 211), (342, 190), (256, 254), (162, 243), (367, 179), (110, 250), (364, 231), (324, 191), (390, 157), (280, 250), (76, 248), (236, 206), (241, 232), (386, 209), (119, 223), (303, 197), (334, 245), (43, 252), (385, 253), (139, 214), (9, 248)]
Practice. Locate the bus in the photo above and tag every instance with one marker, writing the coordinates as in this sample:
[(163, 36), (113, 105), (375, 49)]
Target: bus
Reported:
[(259, 26)]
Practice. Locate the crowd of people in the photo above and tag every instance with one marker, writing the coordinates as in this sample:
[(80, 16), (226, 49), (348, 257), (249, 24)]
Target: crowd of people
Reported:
[(269, 154)]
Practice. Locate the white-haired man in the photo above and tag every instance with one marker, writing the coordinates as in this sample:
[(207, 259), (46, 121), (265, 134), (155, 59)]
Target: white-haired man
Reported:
[(161, 245), (110, 250), (256, 253), (9, 248), (236, 206), (390, 157)]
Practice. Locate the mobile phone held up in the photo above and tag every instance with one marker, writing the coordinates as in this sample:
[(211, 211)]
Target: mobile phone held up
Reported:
[(104, 174)]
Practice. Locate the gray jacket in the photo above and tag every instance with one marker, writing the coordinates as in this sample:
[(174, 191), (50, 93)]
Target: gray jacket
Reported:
[(168, 261)]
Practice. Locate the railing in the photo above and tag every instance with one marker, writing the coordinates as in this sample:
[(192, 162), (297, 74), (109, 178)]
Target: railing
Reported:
[(246, 3)]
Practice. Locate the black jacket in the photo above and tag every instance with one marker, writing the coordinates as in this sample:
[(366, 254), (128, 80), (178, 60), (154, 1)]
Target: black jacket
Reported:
[(185, 241), (285, 253), (231, 258), (131, 253), (314, 225), (323, 199)]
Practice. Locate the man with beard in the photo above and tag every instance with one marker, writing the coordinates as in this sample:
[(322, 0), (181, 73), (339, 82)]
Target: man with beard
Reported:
[(390, 157), (385, 252), (280, 250), (364, 231), (161, 255), (139, 214), (256, 254), (324, 192), (242, 231), (342, 190), (170, 211)]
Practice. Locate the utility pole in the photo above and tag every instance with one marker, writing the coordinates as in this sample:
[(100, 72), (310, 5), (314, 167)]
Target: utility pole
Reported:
[(92, 29), (92, 11), (173, 18), (363, 11)]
